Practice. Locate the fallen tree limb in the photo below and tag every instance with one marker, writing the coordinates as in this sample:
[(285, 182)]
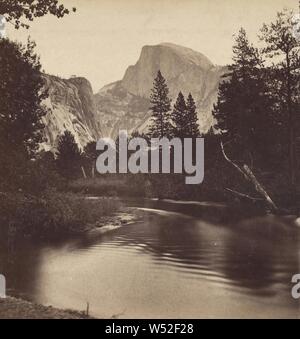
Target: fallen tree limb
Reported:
[(260, 189), (249, 176), (243, 195), (230, 161)]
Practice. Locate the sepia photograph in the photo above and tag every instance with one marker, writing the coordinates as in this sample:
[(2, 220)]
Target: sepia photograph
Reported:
[(150, 162)]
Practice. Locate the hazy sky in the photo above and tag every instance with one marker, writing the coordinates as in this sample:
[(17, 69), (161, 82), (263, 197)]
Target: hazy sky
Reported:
[(104, 37)]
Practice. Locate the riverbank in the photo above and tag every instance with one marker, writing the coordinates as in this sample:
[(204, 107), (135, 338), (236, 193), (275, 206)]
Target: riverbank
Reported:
[(12, 308), (224, 188), (175, 246), (52, 214), (124, 217)]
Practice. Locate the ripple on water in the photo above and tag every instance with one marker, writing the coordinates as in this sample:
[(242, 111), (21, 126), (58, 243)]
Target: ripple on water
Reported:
[(193, 266)]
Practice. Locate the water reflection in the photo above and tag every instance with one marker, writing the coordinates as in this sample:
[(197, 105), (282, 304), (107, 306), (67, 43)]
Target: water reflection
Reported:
[(173, 255), (20, 266)]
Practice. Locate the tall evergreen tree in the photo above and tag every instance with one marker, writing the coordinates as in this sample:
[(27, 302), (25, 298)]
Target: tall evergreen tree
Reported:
[(192, 117), (90, 155), (179, 118), (283, 49), (68, 156), (243, 108), (160, 107)]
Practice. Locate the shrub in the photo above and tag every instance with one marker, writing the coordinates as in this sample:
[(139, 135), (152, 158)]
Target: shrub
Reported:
[(111, 185)]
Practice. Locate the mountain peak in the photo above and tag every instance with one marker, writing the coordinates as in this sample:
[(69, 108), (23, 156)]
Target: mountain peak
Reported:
[(186, 54), (125, 104), (178, 64)]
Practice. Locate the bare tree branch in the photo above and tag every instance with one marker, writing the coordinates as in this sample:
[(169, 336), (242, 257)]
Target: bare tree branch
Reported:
[(243, 195), (249, 176)]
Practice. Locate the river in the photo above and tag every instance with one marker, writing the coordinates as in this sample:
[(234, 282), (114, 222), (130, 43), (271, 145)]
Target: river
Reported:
[(180, 260)]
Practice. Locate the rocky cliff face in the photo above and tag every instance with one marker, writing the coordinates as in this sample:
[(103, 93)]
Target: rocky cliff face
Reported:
[(71, 107), (125, 104), (119, 109)]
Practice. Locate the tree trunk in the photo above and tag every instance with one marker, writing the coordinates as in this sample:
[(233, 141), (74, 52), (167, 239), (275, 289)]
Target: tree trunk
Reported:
[(93, 171), (249, 176), (259, 188), (292, 145), (83, 172)]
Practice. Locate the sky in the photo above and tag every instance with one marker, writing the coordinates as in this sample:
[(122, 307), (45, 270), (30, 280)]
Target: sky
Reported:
[(104, 37)]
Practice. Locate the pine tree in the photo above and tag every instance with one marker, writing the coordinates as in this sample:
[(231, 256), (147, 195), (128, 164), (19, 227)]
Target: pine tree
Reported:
[(179, 118), (192, 118), (68, 156), (160, 107), (184, 118), (243, 109), (90, 155), (283, 49)]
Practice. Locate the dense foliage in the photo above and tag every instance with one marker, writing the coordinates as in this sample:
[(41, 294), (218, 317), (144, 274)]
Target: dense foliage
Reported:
[(16, 10), (21, 110)]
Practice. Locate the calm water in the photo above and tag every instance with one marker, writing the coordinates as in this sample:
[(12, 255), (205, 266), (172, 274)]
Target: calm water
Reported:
[(181, 260)]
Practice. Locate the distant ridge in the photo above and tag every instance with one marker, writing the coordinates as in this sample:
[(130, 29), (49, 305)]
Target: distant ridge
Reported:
[(125, 103)]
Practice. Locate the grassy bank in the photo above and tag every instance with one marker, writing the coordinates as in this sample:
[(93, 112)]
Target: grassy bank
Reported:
[(112, 185), (12, 308), (51, 214)]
